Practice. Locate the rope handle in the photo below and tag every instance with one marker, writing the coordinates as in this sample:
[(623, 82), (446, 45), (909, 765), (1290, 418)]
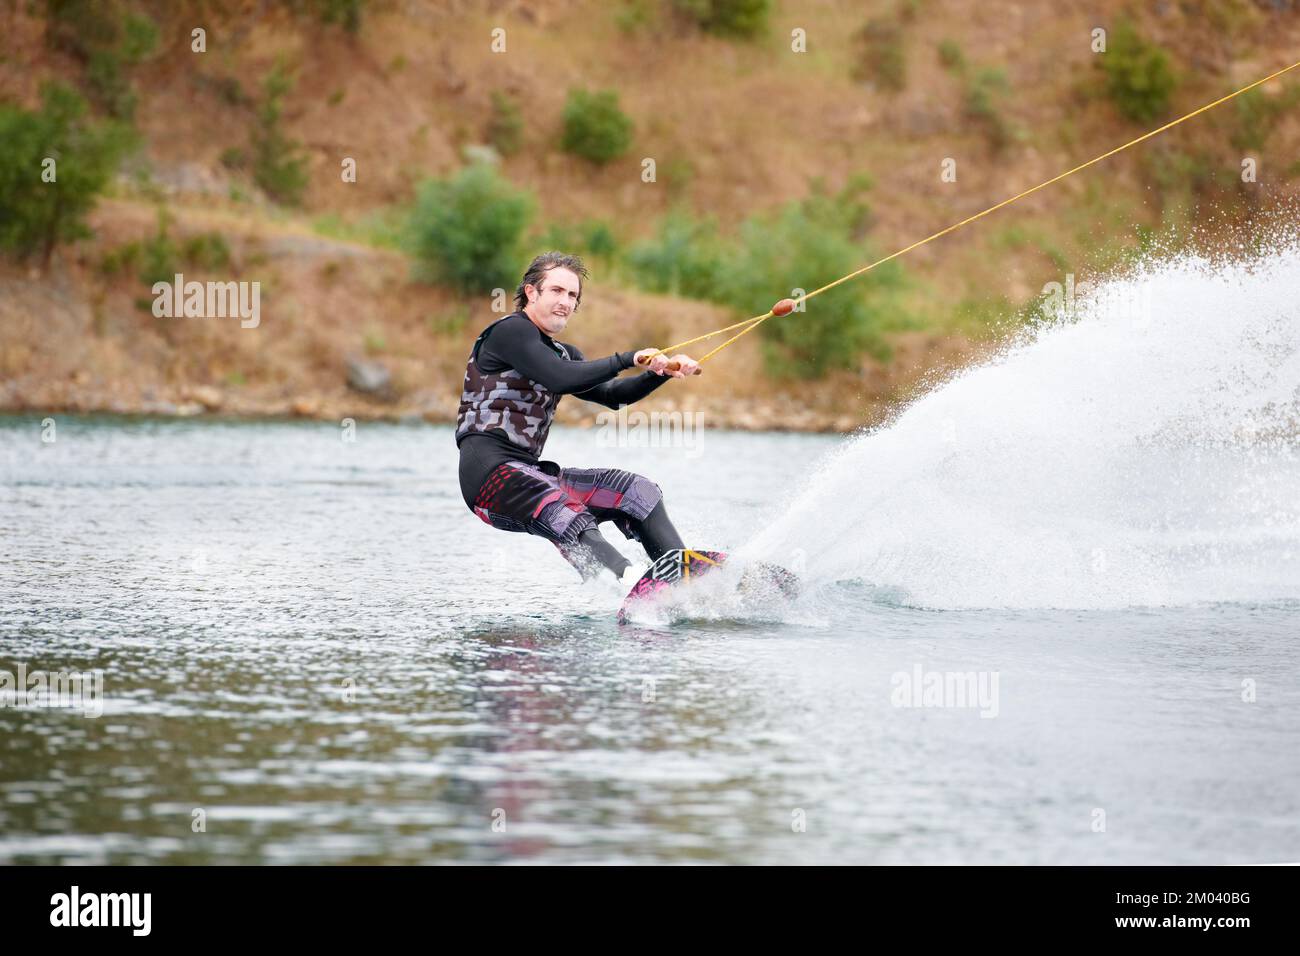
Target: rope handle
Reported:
[(672, 366)]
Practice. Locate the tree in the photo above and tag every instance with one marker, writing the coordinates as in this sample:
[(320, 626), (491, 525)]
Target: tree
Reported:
[(53, 166)]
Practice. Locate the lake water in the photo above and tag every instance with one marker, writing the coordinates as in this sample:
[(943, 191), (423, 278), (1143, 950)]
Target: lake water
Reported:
[(317, 645), (1050, 616)]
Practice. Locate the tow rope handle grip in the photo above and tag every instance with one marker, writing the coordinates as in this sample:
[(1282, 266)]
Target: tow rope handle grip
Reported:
[(672, 366)]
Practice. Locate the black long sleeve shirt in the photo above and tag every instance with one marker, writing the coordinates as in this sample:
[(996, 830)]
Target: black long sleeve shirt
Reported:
[(516, 343)]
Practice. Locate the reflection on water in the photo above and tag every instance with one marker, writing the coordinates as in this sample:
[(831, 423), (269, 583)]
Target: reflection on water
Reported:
[(319, 648)]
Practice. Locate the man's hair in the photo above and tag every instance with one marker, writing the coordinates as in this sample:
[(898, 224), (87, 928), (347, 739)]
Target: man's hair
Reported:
[(543, 264)]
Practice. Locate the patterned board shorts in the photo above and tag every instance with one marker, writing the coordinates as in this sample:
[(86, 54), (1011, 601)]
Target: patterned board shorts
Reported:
[(559, 504)]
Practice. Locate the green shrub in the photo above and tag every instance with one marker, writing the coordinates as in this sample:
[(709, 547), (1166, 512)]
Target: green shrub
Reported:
[(686, 258), (109, 86), (279, 166), (594, 126), (234, 157), (506, 125), (1257, 114), (807, 245), (156, 259), (34, 215), (983, 92), (880, 57), (232, 92), (139, 38), (465, 230), (1139, 77), (600, 240), (384, 228), (206, 250), (81, 27), (951, 56), (743, 19), (346, 13), (857, 214), (635, 15), (678, 173), (108, 42), (159, 257), (1172, 170), (593, 237), (449, 323)]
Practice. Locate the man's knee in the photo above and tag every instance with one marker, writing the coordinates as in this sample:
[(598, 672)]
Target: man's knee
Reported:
[(562, 523), (641, 498), (611, 489)]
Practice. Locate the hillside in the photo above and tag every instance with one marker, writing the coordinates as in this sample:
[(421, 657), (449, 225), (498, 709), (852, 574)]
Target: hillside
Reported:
[(736, 128)]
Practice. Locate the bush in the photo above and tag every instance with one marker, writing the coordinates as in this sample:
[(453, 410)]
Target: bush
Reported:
[(35, 216), (160, 257), (951, 56), (234, 158), (107, 42), (593, 238), (465, 230), (985, 88), (1172, 170), (594, 126), (506, 126), (1139, 77), (880, 55), (807, 245), (81, 27), (346, 13), (384, 228), (278, 164), (634, 15), (686, 258), (206, 250), (1258, 113), (731, 18)]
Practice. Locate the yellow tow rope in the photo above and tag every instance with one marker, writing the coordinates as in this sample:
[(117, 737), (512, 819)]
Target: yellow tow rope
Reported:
[(753, 323)]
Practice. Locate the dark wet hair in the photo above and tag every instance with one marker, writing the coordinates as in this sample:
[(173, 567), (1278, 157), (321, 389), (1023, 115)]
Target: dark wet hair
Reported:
[(539, 267)]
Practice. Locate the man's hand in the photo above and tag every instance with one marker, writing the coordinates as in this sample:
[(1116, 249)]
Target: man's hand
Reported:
[(682, 365), (679, 366), (652, 359)]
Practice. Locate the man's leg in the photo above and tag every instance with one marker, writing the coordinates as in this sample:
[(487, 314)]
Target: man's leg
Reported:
[(592, 552), (518, 496), (634, 503), (656, 533)]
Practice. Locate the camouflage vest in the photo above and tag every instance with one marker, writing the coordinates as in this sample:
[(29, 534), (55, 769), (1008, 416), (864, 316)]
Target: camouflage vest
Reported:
[(507, 400)]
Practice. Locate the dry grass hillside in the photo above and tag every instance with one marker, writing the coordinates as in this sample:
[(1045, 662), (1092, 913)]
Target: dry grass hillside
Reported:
[(736, 127)]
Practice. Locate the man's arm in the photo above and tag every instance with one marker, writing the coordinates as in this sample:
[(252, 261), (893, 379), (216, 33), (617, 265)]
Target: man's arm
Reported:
[(623, 391), (517, 343)]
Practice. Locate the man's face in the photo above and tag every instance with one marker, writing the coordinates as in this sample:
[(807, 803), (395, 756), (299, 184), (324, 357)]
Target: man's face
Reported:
[(552, 302)]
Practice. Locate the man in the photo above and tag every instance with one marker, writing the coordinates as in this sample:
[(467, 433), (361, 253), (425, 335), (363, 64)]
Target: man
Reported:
[(513, 382)]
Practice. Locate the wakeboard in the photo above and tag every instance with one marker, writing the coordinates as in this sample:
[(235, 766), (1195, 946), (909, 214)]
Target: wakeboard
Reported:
[(677, 568)]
